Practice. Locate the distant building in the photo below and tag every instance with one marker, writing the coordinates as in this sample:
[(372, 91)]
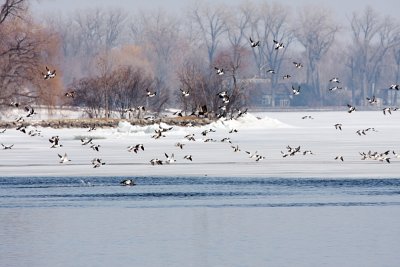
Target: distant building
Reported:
[(261, 94)]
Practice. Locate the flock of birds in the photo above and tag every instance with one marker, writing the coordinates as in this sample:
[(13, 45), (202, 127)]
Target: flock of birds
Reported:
[(202, 111)]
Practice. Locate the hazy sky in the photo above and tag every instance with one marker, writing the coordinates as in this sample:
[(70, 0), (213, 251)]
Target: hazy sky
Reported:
[(341, 8)]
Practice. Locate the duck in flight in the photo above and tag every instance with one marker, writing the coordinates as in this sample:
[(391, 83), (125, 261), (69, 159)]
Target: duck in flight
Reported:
[(351, 108), (49, 74), (70, 94), (219, 71), (334, 88), (278, 45), (63, 159), (387, 110), (136, 148), (170, 159), (188, 157), (295, 91), (335, 80), (150, 94), (307, 117), (253, 43), (156, 162), (55, 140), (30, 111), (372, 100), (7, 147), (338, 126), (185, 93), (339, 158), (298, 65), (97, 162), (95, 147), (86, 141)]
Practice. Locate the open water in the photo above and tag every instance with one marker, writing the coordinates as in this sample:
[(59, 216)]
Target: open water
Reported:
[(199, 221)]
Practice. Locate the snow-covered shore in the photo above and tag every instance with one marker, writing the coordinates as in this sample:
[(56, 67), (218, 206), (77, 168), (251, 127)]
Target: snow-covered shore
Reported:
[(265, 133)]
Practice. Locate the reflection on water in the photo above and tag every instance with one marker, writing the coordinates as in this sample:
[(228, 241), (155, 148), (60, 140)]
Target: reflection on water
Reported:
[(200, 221)]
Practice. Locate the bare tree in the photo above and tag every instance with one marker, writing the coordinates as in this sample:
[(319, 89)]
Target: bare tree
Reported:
[(210, 24), (12, 8), (316, 32), (372, 39), (24, 52), (159, 35), (237, 23), (271, 23)]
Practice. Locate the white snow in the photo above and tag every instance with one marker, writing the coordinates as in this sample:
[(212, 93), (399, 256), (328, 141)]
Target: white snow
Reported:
[(32, 156)]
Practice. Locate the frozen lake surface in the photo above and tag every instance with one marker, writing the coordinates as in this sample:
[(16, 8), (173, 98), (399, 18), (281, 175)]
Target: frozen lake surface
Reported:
[(221, 209)]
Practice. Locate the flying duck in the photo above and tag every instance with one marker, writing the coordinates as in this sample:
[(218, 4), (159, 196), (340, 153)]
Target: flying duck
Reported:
[(205, 132), (226, 139), (30, 111), (235, 148), (271, 71), (388, 110), (335, 80), (150, 94), (96, 162), (178, 113), (278, 45), (7, 147), (86, 141), (34, 132), (225, 99), (351, 108), (158, 134), (334, 88), (188, 157), (136, 148), (156, 162), (49, 74), (394, 87), (55, 140), (70, 94), (21, 128), (338, 126), (15, 104), (339, 158), (259, 157), (219, 71), (252, 155), (372, 100), (190, 137), (253, 43), (95, 147), (241, 113), (170, 159), (184, 93), (295, 91), (298, 65), (180, 145), (63, 159), (307, 117)]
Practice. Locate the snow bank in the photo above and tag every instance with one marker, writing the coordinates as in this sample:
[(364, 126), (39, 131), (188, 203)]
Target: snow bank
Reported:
[(249, 121)]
